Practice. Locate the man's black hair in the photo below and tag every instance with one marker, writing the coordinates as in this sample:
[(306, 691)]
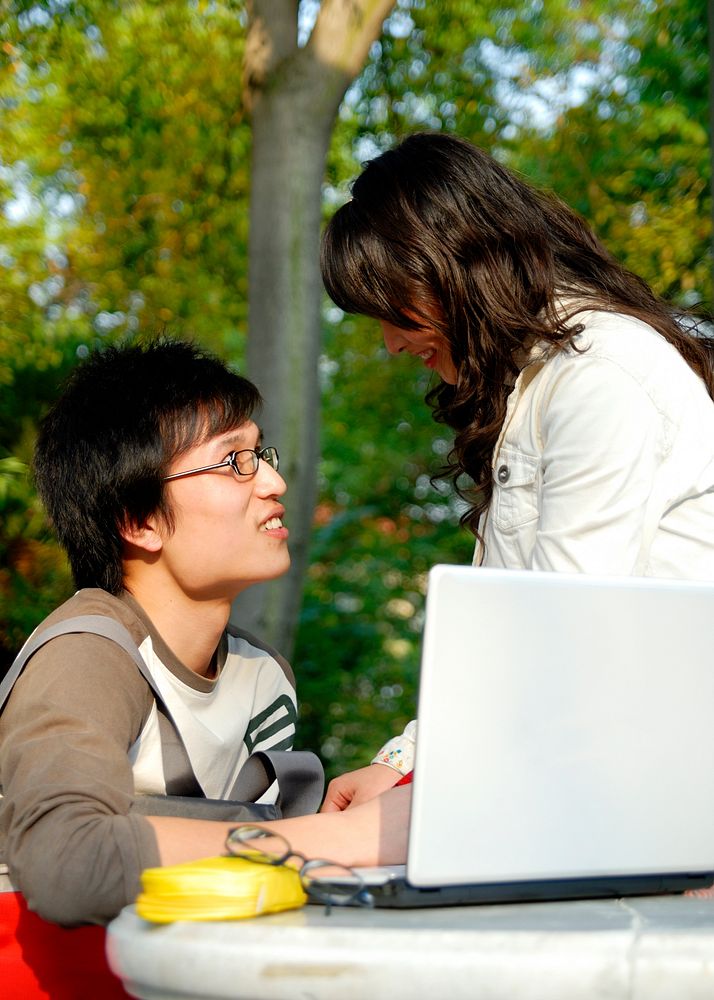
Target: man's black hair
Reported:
[(124, 415)]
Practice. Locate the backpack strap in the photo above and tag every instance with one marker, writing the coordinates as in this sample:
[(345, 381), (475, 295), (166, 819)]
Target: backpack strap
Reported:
[(299, 773), (178, 772)]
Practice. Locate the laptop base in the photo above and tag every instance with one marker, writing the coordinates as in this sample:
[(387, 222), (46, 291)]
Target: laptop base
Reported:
[(397, 893)]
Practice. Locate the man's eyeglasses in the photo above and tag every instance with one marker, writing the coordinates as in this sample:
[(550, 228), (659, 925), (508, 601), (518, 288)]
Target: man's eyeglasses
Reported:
[(325, 882), (244, 463)]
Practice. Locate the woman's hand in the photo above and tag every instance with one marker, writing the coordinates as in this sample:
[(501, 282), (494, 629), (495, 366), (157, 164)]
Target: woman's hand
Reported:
[(357, 787)]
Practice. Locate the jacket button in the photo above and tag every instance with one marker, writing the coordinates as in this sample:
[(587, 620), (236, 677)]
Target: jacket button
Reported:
[(503, 474)]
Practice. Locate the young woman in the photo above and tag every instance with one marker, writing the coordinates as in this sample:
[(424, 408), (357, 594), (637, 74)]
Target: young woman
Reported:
[(581, 402)]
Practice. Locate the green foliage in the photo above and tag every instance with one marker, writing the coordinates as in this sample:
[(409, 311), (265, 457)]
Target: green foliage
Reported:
[(379, 527), (34, 575), (634, 159), (127, 118)]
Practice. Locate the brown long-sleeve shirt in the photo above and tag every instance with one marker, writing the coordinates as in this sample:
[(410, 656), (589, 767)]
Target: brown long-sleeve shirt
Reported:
[(79, 741)]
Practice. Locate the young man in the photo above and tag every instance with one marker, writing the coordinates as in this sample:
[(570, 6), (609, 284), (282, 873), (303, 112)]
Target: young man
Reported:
[(156, 480)]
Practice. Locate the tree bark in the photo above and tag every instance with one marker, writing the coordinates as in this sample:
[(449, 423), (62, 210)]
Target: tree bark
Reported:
[(294, 94), (710, 24)]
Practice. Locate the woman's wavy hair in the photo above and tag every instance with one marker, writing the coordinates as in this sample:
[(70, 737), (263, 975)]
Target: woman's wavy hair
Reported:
[(439, 233)]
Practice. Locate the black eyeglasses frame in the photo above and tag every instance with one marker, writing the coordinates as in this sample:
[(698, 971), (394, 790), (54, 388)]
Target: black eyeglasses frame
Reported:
[(268, 455)]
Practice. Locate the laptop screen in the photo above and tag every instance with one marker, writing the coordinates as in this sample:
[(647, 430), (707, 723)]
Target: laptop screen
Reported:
[(565, 728)]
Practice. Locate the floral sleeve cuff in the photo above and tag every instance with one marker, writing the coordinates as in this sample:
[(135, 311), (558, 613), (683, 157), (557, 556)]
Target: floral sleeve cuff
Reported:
[(398, 753)]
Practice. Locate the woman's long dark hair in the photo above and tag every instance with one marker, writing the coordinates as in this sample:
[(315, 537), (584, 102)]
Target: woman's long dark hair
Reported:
[(438, 231)]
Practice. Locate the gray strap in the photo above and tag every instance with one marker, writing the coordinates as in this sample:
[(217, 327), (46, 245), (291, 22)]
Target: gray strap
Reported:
[(98, 624), (299, 773), (300, 777), (178, 773), (179, 776)]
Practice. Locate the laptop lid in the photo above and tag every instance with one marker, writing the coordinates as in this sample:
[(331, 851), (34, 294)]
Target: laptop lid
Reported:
[(565, 729)]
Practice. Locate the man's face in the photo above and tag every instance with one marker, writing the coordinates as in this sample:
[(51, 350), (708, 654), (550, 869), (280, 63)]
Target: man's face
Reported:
[(228, 531)]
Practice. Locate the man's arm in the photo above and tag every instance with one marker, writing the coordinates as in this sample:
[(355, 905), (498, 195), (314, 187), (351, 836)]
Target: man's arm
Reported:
[(73, 847), (374, 833)]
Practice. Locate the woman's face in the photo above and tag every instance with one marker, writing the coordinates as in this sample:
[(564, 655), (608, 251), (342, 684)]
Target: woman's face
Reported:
[(426, 343)]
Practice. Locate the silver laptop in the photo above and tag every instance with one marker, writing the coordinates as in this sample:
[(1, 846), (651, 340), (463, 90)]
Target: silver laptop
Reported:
[(566, 740)]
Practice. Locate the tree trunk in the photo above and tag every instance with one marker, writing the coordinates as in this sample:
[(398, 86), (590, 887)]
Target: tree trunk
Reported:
[(294, 95), (710, 17)]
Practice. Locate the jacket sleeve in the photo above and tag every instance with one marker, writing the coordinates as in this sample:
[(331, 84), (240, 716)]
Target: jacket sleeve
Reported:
[(72, 845), (398, 752)]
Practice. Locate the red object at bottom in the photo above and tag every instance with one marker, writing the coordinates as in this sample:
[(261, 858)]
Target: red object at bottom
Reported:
[(406, 780), (41, 961)]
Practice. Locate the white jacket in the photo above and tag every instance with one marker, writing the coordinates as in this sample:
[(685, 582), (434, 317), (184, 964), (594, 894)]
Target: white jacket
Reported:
[(604, 465)]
